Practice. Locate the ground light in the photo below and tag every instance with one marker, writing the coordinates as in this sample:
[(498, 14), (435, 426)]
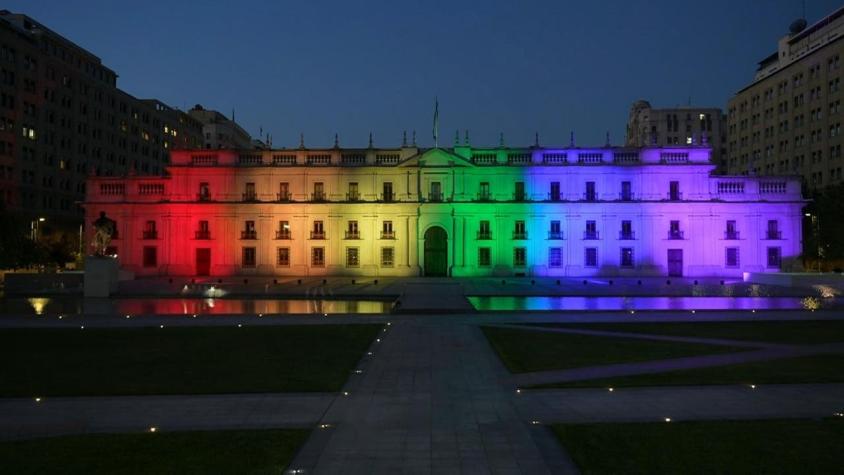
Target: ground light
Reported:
[(153, 429), (667, 419)]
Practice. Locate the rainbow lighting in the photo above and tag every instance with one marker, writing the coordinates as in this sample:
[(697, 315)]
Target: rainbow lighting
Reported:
[(458, 211)]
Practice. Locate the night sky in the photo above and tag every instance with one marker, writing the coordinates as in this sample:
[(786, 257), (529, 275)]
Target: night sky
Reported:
[(516, 67)]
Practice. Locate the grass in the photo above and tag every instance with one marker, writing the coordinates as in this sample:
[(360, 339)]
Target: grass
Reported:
[(206, 360), (766, 446), (526, 350), (219, 452), (804, 369), (793, 332)]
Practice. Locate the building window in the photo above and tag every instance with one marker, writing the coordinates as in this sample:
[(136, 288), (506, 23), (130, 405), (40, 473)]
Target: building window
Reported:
[(318, 232), (519, 231), (387, 230), (519, 256), (483, 192), (674, 191), (149, 230), (731, 257), (626, 191), (249, 194), (387, 191), (150, 256), (249, 231), (591, 231), (554, 195), (319, 192), (626, 232), (674, 231), (283, 231), (352, 230), (627, 257), (203, 232), (318, 257), (556, 231), (484, 257), (773, 231), (555, 257), (248, 257), (519, 191), (387, 254), (732, 231), (590, 257), (352, 257), (774, 258), (436, 193), (484, 231), (353, 194), (283, 191), (590, 195), (282, 257)]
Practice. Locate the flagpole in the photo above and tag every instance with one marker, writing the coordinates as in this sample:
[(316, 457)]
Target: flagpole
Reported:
[(436, 122)]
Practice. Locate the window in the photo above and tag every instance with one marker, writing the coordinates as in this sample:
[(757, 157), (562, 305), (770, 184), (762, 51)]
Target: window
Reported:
[(150, 256), (203, 232), (774, 258), (204, 192), (519, 256), (773, 231), (249, 231), (249, 194), (387, 191), (519, 231), (591, 231), (436, 193), (149, 230), (555, 191), (519, 192), (282, 257), (387, 230), (353, 194), (555, 257), (674, 191), (674, 230), (352, 257), (590, 191), (626, 230), (590, 257), (483, 230), (317, 257), (484, 257), (318, 232), (352, 230), (626, 257), (283, 191), (248, 257), (283, 231), (556, 231), (731, 231), (319, 192), (387, 255), (483, 192), (626, 193), (731, 257)]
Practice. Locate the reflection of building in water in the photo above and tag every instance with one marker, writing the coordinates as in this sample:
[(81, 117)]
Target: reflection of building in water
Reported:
[(461, 211)]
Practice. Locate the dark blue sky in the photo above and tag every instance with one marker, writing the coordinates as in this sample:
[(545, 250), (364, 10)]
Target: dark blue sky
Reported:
[(321, 67)]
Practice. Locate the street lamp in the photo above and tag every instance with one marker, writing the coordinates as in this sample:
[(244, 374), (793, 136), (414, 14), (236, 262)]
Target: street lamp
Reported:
[(34, 225)]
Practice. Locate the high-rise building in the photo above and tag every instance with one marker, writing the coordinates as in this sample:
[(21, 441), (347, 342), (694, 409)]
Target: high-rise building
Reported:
[(218, 131), (787, 121), (462, 211), (649, 127), (62, 118)]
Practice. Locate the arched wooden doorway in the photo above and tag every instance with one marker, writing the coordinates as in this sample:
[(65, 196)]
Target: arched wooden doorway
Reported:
[(436, 252)]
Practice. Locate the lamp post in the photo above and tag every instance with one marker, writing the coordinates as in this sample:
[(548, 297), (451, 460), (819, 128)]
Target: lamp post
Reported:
[(816, 230), (34, 225)]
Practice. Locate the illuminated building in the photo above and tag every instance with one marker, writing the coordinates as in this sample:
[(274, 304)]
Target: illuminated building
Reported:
[(459, 211)]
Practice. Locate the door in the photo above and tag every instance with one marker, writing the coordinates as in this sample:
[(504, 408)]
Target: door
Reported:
[(203, 261), (436, 252), (675, 262)]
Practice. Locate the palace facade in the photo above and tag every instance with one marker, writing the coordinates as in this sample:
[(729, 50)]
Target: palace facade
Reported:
[(458, 211)]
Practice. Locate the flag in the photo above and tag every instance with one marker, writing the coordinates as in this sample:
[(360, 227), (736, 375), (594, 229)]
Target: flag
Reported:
[(436, 121)]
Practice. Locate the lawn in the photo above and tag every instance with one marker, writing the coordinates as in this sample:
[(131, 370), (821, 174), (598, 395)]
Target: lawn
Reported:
[(207, 360), (793, 332), (767, 446), (526, 350), (219, 452)]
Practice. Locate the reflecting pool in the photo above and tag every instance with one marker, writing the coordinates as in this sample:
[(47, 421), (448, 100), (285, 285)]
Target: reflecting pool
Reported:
[(535, 303)]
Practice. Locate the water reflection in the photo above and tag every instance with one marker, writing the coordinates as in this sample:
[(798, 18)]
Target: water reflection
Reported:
[(502, 303), (188, 306)]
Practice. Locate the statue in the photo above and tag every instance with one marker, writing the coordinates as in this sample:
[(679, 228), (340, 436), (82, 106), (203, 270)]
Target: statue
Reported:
[(104, 229)]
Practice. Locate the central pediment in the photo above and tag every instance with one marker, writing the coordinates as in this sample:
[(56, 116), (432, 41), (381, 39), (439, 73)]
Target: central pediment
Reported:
[(436, 157)]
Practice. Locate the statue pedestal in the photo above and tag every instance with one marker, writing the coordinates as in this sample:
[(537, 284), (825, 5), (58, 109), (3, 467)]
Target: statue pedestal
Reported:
[(100, 276)]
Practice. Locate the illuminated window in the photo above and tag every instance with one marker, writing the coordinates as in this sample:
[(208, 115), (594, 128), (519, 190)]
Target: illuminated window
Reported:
[(387, 257), (352, 257), (555, 257), (484, 257), (318, 257), (248, 256), (282, 257)]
